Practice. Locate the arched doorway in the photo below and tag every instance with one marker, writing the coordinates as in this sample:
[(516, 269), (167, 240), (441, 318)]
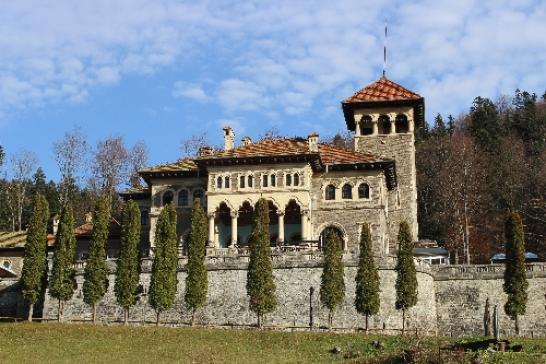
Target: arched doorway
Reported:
[(292, 223), (327, 231), (244, 223), (223, 222)]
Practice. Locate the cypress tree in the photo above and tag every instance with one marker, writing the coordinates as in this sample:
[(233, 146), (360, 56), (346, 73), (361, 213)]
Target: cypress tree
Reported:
[(164, 280), (515, 280), (196, 280), (35, 257), (96, 272), (406, 280), (367, 278), (332, 285), (63, 282), (260, 286), (127, 272)]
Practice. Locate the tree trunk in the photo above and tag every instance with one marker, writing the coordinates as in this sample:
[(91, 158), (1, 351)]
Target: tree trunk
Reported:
[(94, 314), (30, 312), (259, 321), (330, 319), (157, 319), (366, 324), (517, 325), (193, 318), (60, 311), (126, 316), (403, 321)]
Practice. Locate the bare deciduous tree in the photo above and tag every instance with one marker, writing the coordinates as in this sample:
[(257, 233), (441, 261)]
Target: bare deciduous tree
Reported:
[(190, 147), (138, 157), (70, 154), (23, 165), (110, 165)]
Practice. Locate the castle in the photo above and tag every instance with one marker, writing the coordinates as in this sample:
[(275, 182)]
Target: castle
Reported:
[(312, 188)]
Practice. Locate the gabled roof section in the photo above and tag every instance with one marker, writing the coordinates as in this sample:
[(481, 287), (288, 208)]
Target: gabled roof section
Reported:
[(184, 167), (383, 93), (383, 90)]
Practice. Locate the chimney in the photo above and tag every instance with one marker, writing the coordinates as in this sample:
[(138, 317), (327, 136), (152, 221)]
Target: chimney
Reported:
[(229, 139), (246, 140), (204, 151), (55, 224), (313, 142)]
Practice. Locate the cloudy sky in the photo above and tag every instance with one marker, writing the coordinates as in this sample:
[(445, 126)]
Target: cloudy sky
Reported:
[(160, 71)]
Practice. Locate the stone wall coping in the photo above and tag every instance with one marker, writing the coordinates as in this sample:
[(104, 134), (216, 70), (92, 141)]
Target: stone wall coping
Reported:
[(482, 271)]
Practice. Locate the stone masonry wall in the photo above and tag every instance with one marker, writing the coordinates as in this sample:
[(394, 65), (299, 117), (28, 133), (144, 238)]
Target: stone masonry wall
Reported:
[(461, 292), (402, 202), (227, 302)]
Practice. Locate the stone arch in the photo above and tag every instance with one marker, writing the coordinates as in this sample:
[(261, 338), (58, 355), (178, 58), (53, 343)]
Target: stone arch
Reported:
[(167, 196), (296, 200), (225, 201), (384, 124), (274, 202), (402, 123), (338, 226), (366, 125)]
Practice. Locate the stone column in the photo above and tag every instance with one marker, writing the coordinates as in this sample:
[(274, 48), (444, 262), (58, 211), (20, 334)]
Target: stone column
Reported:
[(280, 238), (411, 125), (304, 224), (357, 127), (392, 118), (375, 126), (234, 215), (210, 243)]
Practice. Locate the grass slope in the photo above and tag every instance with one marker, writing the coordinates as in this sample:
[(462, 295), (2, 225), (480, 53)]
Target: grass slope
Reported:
[(71, 343)]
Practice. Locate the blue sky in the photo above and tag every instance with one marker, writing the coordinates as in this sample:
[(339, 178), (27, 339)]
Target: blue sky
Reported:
[(161, 71)]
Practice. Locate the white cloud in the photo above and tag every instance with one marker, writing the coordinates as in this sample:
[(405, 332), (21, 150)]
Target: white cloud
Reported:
[(191, 91), (276, 57)]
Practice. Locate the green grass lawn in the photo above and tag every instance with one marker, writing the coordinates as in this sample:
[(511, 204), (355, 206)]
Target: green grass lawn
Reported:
[(71, 343)]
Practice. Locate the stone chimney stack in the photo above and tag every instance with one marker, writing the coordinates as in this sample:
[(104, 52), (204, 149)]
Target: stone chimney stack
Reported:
[(313, 142), (229, 139), (246, 140), (204, 151)]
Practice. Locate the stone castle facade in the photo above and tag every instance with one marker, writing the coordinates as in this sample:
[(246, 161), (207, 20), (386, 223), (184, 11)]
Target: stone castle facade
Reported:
[(312, 188)]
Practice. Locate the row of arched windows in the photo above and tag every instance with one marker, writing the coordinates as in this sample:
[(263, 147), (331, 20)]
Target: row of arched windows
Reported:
[(384, 125), (183, 197), (347, 192)]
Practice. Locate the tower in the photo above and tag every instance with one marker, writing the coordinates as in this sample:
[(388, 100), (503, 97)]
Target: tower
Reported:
[(383, 116)]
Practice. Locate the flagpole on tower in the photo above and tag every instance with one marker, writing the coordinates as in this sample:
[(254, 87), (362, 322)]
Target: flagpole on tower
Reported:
[(385, 52)]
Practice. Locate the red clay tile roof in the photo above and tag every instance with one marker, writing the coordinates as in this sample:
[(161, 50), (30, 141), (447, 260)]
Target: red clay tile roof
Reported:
[(383, 90), (184, 164), (296, 146)]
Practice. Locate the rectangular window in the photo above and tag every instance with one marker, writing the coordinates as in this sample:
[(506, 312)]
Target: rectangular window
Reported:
[(273, 180), (289, 180), (241, 181), (250, 181), (265, 178)]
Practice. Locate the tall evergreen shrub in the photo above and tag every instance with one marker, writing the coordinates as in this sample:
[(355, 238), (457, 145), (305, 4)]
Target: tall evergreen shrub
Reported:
[(35, 257), (196, 280), (164, 279), (127, 271), (367, 278), (332, 285), (406, 280), (515, 280), (63, 283), (260, 285)]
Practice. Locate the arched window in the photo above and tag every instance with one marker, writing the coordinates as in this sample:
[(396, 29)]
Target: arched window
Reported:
[(384, 124), (265, 179), (326, 233), (364, 190), (242, 181), (273, 180), (199, 194), (289, 180), (296, 179), (250, 181), (347, 192), (168, 197), (366, 125), (402, 125), (330, 192), (183, 197), (219, 182), (226, 182)]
